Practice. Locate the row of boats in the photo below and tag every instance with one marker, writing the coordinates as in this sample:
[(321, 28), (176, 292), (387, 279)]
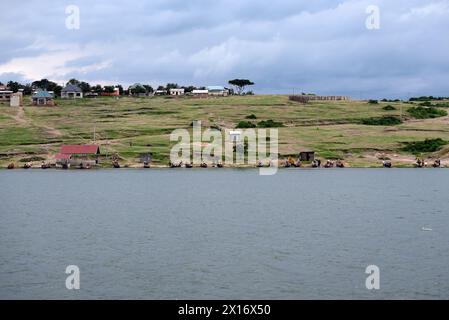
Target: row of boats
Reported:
[(288, 163)]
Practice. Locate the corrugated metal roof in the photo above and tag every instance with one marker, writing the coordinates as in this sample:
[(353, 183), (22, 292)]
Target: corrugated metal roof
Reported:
[(42, 94), (62, 156), (71, 88), (80, 149)]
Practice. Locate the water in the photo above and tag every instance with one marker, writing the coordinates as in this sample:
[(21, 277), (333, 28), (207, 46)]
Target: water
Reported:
[(224, 234)]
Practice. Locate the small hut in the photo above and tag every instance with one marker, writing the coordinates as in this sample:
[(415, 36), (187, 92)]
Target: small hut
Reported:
[(43, 98), (307, 156)]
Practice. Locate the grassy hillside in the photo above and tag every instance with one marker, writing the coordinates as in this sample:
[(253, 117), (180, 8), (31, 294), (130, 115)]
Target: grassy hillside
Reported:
[(355, 131)]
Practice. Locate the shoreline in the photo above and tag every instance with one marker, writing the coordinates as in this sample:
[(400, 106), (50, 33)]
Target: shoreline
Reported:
[(211, 168)]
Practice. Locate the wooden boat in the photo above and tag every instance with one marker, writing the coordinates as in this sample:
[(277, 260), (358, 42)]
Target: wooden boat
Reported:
[(189, 165), (219, 165), (437, 163), (203, 165), (339, 164), (27, 165), (172, 165), (386, 164), (146, 165), (329, 164), (45, 165), (419, 163), (297, 164), (115, 164), (316, 163), (11, 166)]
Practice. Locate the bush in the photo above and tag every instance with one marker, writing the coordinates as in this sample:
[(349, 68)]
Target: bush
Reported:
[(384, 121), (426, 104), (251, 116), (269, 124), (245, 124), (30, 159), (426, 113), (373, 102), (428, 145), (389, 108)]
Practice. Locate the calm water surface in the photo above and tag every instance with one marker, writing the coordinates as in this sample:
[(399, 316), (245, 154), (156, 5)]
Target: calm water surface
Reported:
[(224, 234)]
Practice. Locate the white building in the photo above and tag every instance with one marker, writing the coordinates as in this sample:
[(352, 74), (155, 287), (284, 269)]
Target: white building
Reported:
[(71, 91), (218, 91), (16, 99), (200, 93), (176, 92), (235, 135)]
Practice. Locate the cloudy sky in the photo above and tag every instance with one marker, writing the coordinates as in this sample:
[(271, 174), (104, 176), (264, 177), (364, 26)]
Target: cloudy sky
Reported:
[(321, 46)]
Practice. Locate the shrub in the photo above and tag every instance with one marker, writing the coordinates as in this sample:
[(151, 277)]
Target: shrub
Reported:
[(426, 113), (30, 159), (389, 108), (428, 145), (426, 104), (384, 121), (269, 124), (245, 124), (373, 101), (251, 116)]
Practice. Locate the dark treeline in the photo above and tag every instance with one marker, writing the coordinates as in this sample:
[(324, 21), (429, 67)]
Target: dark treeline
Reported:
[(45, 84)]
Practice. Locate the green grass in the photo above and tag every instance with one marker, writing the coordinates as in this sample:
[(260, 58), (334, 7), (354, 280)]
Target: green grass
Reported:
[(131, 126)]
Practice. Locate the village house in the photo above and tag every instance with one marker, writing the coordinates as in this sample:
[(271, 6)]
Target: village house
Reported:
[(115, 93), (71, 91), (200, 93), (137, 90), (218, 91), (43, 98), (17, 99), (177, 92), (5, 94), (75, 155), (160, 93)]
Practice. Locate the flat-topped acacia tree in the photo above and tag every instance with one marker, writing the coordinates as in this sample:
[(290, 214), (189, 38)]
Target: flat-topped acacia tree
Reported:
[(240, 84)]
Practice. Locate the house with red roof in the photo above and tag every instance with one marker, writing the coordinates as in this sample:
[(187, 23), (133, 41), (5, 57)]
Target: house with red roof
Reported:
[(78, 154)]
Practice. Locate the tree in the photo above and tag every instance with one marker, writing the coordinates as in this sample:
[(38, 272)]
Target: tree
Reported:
[(148, 88), (240, 84), (120, 89), (97, 89), (74, 82), (85, 87), (171, 86), (189, 88), (109, 89), (48, 85), (14, 86)]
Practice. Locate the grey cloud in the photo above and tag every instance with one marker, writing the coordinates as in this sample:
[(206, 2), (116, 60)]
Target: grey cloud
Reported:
[(320, 46)]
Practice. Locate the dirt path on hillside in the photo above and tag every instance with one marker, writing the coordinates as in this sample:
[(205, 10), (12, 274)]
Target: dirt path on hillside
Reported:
[(23, 120), (20, 116)]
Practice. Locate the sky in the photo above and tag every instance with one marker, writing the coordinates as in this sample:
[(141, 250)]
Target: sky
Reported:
[(285, 46)]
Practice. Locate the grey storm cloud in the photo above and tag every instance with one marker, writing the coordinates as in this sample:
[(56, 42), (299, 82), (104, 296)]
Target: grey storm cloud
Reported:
[(320, 46)]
